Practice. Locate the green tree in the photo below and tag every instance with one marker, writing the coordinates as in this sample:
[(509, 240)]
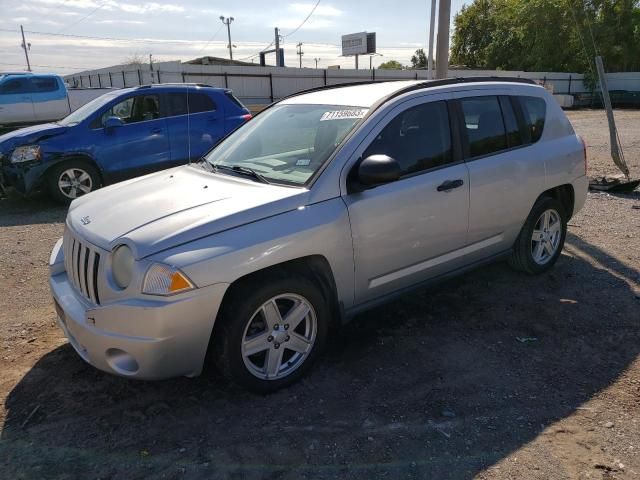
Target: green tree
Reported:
[(545, 35), (419, 59), (391, 65)]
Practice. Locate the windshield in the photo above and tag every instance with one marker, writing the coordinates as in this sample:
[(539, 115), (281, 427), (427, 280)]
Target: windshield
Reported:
[(287, 143), (87, 109)]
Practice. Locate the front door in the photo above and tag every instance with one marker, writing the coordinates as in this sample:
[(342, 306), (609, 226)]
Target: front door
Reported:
[(140, 145), (414, 228)]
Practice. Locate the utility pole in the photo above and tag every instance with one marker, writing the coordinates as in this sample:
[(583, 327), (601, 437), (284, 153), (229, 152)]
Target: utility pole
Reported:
[(442, 52), (227, 22), (432, 27), (151, 62), (277, 48), (316, 60), (299, 52), (26, 47)]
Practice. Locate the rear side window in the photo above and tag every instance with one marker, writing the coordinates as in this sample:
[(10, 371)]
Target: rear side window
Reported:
[(45, 84), (234, 100), (200, 102), (484, 125), (197, 103), (514, 133), (418, 139), (16, 86), (534, 110)]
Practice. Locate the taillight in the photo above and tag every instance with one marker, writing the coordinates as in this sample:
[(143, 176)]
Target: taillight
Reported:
[(584, 152), (246, 117)]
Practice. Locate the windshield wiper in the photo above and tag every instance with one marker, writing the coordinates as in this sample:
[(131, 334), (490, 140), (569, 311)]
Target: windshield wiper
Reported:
[(251, 173), (207, 166)]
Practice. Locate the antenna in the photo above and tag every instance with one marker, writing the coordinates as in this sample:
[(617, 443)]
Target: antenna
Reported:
[(188, 126)]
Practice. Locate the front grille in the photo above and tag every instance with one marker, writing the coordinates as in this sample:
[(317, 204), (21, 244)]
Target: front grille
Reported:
[(82, 263)]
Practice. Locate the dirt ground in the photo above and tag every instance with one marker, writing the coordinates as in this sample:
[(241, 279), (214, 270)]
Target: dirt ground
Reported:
[(495, 375)]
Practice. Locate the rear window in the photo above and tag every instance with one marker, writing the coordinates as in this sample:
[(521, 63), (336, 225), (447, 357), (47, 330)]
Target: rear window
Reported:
[(534, 110), (44, 84)]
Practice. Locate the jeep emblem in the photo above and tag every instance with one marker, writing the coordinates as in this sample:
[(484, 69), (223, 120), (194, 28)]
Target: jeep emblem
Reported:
[(86, 220)]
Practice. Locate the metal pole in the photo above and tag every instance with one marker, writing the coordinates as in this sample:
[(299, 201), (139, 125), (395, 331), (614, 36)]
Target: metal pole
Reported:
[(25, 47), (432, 27), (277, 48), (356, 61), (300, 53), (227, 22), (613, 133), (442, 51), (370, 62)]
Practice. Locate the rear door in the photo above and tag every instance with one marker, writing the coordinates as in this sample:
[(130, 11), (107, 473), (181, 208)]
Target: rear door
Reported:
[(15, 100), (414, 228), (49, 97), (139, 146), (505, 174), (195, 122)]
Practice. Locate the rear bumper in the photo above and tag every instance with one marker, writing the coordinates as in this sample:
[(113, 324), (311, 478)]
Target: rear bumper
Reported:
[(145, 339), (580, 189)]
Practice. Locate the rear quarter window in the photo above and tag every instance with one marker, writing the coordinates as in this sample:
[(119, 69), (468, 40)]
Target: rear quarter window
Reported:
[(534, 110), (200, 102), (44, 84)]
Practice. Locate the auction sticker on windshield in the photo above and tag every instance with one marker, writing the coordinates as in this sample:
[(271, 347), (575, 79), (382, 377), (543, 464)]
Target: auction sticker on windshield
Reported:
[(342, 114)]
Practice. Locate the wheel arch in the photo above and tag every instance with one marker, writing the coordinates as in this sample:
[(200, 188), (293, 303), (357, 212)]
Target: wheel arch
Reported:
[(565, 194), (316, 267), (82, 157)]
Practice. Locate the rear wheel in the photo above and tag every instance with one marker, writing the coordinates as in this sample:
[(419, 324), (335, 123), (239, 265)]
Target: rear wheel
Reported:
[(71, 180), (542, 237), (271, 331)]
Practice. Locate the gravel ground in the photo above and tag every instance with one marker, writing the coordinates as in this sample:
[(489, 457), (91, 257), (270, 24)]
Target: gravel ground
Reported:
[(494, 375)]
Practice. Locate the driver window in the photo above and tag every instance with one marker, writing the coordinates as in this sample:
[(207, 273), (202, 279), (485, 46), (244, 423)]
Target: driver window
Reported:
[(418, 139), (135, 109)]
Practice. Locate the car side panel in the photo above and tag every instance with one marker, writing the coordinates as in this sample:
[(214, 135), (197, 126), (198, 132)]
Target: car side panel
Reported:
[(317, 229)]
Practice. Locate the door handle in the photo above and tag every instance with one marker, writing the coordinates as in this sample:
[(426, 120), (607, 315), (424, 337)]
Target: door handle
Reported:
[(450, 185), (156, 130)]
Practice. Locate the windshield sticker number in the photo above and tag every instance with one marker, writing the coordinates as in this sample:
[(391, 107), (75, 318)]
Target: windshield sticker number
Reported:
[(343, 114), (303, 162)]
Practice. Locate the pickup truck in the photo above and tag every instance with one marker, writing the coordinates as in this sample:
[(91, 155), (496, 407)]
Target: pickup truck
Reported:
[(30, 98)]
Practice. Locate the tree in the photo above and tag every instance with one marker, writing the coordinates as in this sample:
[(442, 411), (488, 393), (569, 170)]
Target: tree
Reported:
[(547, 35), (135, 59), (419, 59), (391, 65)]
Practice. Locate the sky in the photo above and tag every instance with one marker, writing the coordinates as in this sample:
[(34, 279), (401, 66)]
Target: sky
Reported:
[(174, 30)]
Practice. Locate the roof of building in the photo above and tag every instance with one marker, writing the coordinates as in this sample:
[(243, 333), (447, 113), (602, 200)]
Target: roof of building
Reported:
[(208, 60)]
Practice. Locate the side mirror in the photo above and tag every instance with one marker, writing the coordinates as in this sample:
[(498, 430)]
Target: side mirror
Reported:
[(378, 169), (112, 122)]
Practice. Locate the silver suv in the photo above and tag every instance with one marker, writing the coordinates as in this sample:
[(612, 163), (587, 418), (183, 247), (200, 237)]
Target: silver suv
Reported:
[(325, 204)]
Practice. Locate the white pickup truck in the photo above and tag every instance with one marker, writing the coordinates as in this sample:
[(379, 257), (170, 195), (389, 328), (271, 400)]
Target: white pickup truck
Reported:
[(28, 98)]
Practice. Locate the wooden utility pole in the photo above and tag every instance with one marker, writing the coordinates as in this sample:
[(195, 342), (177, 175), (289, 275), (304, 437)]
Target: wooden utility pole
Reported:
[(442, 52), (26, 47), (432, 27), (299, 52)]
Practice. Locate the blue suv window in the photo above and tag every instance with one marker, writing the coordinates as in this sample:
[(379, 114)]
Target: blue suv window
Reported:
[(45, 84), (140, 108), (16, 86), (198, 103)]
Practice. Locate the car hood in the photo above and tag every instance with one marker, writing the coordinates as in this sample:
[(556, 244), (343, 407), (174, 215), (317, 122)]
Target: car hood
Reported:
[(29, 135), (175, 206)]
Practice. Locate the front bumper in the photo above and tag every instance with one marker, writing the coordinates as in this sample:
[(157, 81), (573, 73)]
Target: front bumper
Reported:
[(24, 177), (144, 338)]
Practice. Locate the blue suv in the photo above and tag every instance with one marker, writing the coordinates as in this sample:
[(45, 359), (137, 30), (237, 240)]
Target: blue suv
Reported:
[(120, 135)]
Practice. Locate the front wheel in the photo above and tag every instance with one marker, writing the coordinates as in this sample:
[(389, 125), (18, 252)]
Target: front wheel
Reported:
[(71, 180), (271, 331), (542, 237)]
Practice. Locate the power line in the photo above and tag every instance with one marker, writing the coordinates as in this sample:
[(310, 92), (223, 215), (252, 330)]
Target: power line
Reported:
[(83, 18), (212, 37), (305, 20)]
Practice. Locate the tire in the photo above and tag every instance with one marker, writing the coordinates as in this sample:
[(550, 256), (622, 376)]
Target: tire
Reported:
[(249, 314), (82, 172), (537, 256)]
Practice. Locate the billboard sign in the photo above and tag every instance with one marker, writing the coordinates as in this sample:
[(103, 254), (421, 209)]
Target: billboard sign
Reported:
[(361, 43)]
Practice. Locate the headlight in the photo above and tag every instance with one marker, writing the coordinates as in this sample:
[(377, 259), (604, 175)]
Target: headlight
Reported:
[(165, 280), (122, 261), (26, 154)]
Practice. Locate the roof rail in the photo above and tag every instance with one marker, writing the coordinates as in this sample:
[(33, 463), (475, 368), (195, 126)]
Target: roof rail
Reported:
[(423, 84), (176, 83)]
